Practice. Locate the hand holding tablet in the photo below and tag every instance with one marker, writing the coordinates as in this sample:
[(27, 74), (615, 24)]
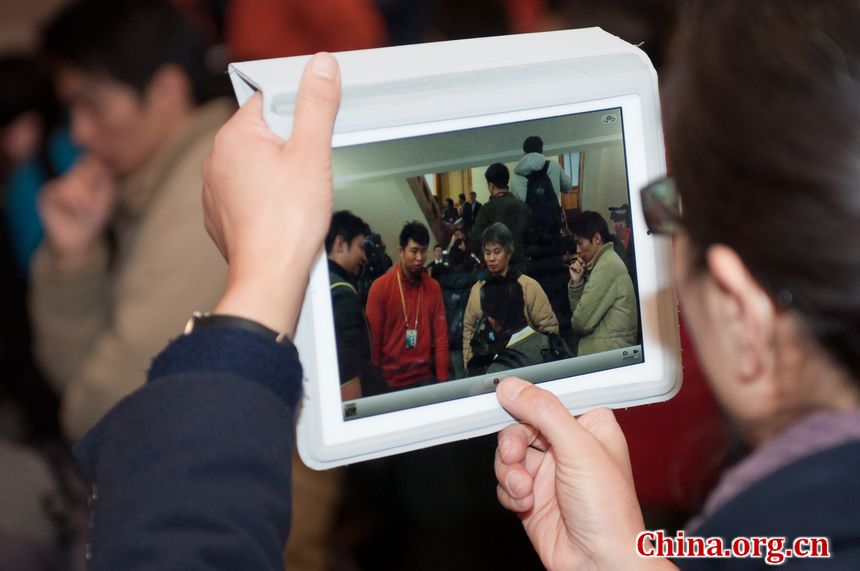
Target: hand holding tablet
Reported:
[(275, 243), (569, 480)]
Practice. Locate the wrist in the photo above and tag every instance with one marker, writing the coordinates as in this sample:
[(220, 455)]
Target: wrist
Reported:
[(266, 293), (72, 259)]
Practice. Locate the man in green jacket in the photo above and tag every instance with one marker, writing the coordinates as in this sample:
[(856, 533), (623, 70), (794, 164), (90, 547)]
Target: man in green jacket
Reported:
[(502, 207), (601, 294)]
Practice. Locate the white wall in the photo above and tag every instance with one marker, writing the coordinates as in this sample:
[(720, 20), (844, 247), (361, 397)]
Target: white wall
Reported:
[(604, 179), (385, 205)]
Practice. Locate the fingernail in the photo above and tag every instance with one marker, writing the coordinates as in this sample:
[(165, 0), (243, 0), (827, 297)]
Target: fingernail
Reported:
[(515, 484), (504, 444), (324, 65)]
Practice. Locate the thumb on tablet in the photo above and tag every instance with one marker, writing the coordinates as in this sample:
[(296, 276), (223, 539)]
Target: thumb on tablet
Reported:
[(317, 104), (594, 435), (540, 409)]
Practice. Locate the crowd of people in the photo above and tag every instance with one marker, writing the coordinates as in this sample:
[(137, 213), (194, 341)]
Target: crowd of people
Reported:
[(103, 226), (427, 320)]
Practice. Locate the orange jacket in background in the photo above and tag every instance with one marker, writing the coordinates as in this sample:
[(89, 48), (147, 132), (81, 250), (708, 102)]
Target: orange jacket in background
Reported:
[(258, 29)]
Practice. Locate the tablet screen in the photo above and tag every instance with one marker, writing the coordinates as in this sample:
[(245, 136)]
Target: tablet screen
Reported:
[(458, 258)]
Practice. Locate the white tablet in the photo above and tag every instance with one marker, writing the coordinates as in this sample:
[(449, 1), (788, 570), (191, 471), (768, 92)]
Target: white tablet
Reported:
[(426, 121)]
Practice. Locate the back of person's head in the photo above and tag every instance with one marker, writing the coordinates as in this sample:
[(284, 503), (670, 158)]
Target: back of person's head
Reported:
[(533, 144), (416, 232), (128, 41), (498, 233), (449, 202), (462, 197), (763, 122), (498, 174), (588, 223), (346, 225), (502, 299)]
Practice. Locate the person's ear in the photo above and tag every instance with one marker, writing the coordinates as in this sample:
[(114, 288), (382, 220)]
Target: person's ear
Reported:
[(748, 313), (170, 87), (340, 245)]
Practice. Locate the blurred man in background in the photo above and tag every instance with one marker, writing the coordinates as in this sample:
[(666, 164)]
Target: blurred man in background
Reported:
[(132, 74)]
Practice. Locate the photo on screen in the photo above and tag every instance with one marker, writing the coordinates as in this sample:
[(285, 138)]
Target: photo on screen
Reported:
[(458, 258)]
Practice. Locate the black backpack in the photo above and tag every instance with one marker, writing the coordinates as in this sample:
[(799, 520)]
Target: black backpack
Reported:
[(543, 203)]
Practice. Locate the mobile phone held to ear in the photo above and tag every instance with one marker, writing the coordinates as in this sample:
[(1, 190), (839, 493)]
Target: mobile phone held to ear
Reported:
[(535, 139)]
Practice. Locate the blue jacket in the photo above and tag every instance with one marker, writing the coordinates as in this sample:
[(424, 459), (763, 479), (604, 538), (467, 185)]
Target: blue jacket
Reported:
[(815, 496), (192, 471)]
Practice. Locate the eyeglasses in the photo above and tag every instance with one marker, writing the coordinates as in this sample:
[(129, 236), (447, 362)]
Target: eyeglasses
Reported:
[(661, 205)]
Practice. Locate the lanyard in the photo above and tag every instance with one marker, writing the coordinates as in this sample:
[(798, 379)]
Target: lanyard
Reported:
[(403, 302)]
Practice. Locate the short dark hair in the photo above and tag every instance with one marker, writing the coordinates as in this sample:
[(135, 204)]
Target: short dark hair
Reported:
[(498, 174), (438, 246), (588, 223), (533, 144), (473, 193), (128, 41), (346, 225), (462, 197), (498, 233), (775, 176), (449, 201), (502, 299), (416, 232)]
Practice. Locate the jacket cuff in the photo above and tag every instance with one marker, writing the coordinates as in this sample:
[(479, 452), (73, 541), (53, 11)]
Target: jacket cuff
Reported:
[(234, 352)]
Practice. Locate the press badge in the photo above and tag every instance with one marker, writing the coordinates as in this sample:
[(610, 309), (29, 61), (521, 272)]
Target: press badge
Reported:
[(411, 338)]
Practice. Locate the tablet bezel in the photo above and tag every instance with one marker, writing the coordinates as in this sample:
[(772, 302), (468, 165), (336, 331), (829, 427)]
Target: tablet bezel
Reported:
[(326, 439)]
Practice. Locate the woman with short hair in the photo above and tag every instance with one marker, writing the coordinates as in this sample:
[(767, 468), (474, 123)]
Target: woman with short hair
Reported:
[(763, 125)]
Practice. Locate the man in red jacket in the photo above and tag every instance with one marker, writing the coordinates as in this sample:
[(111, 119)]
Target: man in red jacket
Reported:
[(408, 329)]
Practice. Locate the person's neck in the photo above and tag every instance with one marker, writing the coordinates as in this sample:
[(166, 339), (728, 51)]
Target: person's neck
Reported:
[(338, 261), (410, 276), (810, 381)]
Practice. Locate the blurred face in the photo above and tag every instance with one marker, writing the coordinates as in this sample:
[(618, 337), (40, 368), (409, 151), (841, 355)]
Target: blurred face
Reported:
[(112, 122), (437, 253), (351, 254), (20, 139), (413, 257), (497, 258), (587, 249)]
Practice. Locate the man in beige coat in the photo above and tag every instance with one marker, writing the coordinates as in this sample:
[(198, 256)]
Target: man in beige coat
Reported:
[(133, 75), (103, 307), (498, 246)]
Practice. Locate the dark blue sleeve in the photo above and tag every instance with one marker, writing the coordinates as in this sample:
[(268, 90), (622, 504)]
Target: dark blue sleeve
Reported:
[(192, 471)]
